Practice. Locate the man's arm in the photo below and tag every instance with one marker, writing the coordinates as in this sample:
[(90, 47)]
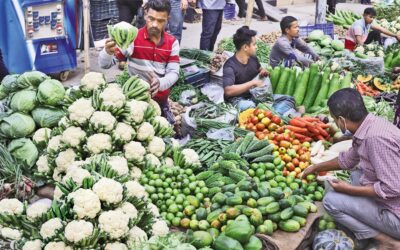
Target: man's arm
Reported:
[(287, 50), (303, 47), (385, 31), (359, 40), (231, 89), (384, 157), (110, 54), (347, 188), (172, 69)]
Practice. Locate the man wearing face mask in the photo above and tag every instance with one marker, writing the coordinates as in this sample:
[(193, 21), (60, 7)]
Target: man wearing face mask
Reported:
[(370, 206)]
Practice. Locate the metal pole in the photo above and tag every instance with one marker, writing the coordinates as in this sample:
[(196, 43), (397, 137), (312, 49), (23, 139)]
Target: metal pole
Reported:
[(249, 12), (86, 14), (320, 12)]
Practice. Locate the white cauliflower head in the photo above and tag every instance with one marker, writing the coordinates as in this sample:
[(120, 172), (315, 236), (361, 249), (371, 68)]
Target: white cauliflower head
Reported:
[(50, 228), (129, 210), (108, 190), (11, 234), (136, 235), (371, 54), (81, 110), (136, 173), (57, 194), (103, 120), (76, 174), (370, 46), (360, 49), (57, 174), (169, 162), (57, 246), (64, 159), (134, 151), (86, 203), (153, 209), (113, 96), (114, 223), (137, 110), (381, 53), (162, 121), (152, 160), (36, 210), (191, 157), (98, 143), (134, 189), (41, 135), (116, 246), (92, 81), (156, 146), (43, 164), (64, 122), (119, 164), (78, 230), (160, 228), (11, 206), (54, 144), (145, 132), (156, 107), (33, 245), (73, 136), (124, 132)]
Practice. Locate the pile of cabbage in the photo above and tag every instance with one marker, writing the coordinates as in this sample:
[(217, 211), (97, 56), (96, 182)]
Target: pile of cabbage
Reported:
[(324, 45), (95, 157), (30, 101)]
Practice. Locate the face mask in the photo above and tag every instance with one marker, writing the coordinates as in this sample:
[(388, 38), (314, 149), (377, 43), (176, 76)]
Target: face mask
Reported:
[(345, 131)]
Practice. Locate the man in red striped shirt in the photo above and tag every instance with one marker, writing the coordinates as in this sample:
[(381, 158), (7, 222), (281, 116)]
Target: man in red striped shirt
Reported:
[(154, 55)]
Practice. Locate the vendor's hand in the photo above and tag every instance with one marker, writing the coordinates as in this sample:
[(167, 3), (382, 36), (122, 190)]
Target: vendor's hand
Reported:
[(110, 46), (341, 186), (154, 84), (264, 73), (184, 4), (257, 83), (308, 171)]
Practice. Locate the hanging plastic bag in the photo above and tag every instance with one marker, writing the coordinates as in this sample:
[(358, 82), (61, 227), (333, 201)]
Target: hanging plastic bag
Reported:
[(227, 134), (188, 97), (214, 92), (263, 93)]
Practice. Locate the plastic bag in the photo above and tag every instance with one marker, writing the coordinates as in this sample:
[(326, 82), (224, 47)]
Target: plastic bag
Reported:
[(214, 92), (227, 134), (372, 65), (264, 93), (188, 97)]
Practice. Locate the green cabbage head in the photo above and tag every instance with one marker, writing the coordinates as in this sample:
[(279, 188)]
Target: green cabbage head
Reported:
[(51, 92), (24, 150), (47, 117), (31, 78), (17, 125), (23, 101)]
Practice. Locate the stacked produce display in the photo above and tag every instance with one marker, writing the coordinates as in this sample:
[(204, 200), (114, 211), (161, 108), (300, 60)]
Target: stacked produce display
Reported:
[(233, 180)]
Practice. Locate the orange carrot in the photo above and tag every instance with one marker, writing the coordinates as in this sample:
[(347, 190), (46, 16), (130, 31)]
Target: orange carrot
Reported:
[(300, 136), (296, 129), (310, 119), (313, 130), (322, 131), (297, 123), (323, 125), (320, 138)]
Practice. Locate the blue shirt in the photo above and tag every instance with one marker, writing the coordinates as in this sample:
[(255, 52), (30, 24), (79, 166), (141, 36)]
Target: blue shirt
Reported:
[(212, 4)]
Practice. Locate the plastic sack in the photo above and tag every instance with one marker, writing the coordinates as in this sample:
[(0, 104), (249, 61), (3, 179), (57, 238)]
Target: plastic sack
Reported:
[(188, 97), (372, 65), (227, 134), (389, 42), (214, 92), (189, 124), (264, 93)]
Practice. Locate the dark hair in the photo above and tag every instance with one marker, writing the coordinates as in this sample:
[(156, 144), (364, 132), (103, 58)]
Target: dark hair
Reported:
[(158, 5), (243, 36), (349, 104), (286, 22), (370, 11)]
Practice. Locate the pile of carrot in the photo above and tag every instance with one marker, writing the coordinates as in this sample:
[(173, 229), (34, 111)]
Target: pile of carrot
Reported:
[(364, 89), (307, 129)]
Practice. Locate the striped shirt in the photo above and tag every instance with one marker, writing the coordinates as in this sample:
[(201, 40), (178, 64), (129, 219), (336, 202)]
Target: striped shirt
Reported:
[(376, 147), (145, 56)]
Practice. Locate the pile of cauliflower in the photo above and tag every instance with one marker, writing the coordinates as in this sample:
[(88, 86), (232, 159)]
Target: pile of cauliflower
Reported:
[(95, 157), (371, 50)]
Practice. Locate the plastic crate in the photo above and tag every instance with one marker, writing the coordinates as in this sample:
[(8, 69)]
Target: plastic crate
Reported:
[(327, 28), (229, 11), (199, 79), (104, 9), (99, 28)]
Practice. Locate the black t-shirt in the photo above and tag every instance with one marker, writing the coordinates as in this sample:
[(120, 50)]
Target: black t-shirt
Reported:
[(237, 73)]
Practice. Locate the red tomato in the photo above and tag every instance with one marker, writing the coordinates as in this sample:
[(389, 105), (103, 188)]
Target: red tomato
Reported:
[(260, 127), (276, 120), (268, 114)]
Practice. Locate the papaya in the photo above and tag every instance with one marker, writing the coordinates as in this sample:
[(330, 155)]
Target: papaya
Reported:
[(226, 243), (239, 230), (253, 244)]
